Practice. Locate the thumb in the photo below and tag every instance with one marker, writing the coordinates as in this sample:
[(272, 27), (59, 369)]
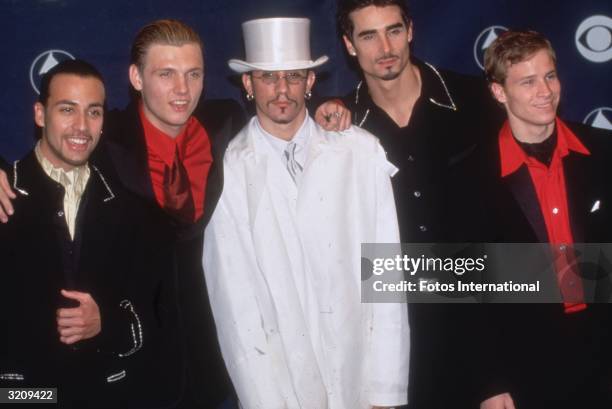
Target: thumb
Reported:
[(74, 295)]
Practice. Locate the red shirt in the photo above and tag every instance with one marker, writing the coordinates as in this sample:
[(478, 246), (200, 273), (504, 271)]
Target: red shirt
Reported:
[(549, 184), (194, 152)]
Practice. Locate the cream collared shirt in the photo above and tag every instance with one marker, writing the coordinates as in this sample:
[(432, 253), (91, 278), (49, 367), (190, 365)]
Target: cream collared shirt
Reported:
[(74, 182)]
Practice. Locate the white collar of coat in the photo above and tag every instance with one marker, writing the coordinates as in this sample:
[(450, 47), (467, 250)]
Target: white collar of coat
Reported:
[(301, 139), (247, 146)]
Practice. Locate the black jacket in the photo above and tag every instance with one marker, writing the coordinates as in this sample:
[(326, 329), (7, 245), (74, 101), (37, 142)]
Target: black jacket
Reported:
[(453, 114), (206, 383), (111, 257), (539, 354)]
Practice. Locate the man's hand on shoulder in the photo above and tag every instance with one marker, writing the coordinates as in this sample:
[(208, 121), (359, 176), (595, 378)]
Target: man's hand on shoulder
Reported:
[(501, 401), (333, 116), (79, 323), (6, 194)]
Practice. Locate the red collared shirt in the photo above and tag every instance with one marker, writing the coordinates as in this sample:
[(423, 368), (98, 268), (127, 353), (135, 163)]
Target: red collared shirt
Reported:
[(194, 151), (549, 184)]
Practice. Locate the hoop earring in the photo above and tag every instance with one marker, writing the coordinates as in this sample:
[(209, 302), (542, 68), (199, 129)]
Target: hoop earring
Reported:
[(307, 95), (250, 97)]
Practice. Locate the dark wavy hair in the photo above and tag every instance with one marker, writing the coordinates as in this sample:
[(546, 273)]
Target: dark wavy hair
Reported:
[(346, 7), (76, 67)]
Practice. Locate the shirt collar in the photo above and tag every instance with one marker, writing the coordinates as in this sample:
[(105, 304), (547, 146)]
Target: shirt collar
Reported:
[(513, 156), (74, 179), (569, 141), (300, 138), (433, 88), (279, 145), (164, 145)]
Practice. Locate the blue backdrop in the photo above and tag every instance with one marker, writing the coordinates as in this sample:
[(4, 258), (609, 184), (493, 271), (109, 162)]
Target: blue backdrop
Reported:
[(448, 33)]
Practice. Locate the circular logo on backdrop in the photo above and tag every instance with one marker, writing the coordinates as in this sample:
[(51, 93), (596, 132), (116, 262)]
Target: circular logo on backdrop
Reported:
[(484, 40), (594, 38), (44, 62), (600, 118)]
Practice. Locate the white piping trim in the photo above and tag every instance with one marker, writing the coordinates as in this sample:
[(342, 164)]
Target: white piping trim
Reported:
[(357, 92), (11, 377), (357, 102), (364, 117), (136, 329), (452, 106), (112, 195), (23, 192), (116, 377)]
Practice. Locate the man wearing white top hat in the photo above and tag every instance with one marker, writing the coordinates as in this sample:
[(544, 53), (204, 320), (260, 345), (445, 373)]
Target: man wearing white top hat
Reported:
[(282, 250)]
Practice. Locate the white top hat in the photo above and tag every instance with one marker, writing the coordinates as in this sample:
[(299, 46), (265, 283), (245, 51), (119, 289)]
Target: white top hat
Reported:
[(274, 44)]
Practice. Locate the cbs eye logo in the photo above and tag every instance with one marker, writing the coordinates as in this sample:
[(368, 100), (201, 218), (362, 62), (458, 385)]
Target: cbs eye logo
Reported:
[(594, 38)]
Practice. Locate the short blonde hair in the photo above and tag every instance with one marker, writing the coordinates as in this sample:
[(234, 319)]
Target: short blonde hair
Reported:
[(165, 32), (510, 48)]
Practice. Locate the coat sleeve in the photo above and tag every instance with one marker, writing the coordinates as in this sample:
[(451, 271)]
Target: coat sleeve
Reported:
[(4, 165), (238, 301), (19, 317), (389, 348), (11, 369)]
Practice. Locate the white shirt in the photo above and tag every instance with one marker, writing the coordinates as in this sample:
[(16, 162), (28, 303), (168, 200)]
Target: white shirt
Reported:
[(282, 264)]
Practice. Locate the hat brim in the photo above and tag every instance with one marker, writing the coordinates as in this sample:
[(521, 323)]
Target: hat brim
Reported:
[(243, 66)]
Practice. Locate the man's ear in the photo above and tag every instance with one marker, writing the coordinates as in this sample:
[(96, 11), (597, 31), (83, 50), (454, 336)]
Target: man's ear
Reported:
[(498, 92), (247, 83), (349, 46), (39, 114), (135, 77), (410, 32), (310, 80)]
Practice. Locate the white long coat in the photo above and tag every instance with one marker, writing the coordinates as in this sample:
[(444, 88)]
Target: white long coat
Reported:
[(282, 266)]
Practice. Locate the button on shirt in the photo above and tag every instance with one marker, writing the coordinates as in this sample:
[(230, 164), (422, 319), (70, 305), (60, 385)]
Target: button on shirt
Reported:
[(438, 131), (549, 184), (417, 186)]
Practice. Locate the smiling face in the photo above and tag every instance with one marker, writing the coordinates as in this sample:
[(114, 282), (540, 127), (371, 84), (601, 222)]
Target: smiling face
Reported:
[(170, 82), (71, 119), (280, 105), (530, 94), (380, 41)]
